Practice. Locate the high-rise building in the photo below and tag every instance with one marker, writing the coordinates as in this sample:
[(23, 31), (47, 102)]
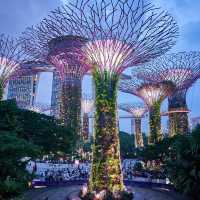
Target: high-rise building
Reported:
[(24, 90), (56, 95)]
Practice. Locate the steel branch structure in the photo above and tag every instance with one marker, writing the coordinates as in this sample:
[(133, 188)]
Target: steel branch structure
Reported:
[(87, 105), (10, 57), (182, 69), (119, 34), (65, 53), (153, 94), (137, 110)]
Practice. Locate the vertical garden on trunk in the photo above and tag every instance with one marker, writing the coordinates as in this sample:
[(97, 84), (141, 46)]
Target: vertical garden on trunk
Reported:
[(106, 167)]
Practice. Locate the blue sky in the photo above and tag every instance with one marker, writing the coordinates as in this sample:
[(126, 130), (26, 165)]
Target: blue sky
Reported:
[(15, 15)]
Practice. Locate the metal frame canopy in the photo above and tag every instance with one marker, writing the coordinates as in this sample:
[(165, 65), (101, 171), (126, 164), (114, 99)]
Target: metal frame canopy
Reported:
[(150, 92), (182, 69), (133, 32), (153, 93), (11, 55), (34, 67), (119, 34), (136, 109)]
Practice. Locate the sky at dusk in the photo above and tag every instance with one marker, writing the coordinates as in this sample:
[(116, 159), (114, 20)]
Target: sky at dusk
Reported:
[(16, 15)]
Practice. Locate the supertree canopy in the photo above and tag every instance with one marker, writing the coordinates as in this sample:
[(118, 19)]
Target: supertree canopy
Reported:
[(10, 58), (33, 67), (65, 53), (182, 69), (137, 110), (153, 94), (119, 34), (87, 105)]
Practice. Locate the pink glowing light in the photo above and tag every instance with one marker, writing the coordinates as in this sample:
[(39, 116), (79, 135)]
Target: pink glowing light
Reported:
[(109, 55)]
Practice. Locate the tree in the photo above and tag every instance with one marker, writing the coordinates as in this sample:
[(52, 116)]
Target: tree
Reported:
[(127, 145), (13, 177), (180, 157), (45, 132), (25, 134), (39, 129), (183, 163)]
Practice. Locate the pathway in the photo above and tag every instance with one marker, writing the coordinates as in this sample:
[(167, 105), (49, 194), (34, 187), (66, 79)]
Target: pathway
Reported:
[(61, 193)]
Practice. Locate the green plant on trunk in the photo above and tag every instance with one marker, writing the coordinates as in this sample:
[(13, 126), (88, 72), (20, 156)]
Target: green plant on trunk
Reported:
[(155, 123), (70, 111), (1, 91), (71, 105), (178, 121), (138, 134), (106, 171)]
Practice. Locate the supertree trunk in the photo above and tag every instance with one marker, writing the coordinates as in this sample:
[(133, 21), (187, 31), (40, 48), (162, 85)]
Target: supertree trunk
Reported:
[(138, 134), (85, 129), (71, 105), (106, 173), (178, 121), (1, 92), (155, 123)]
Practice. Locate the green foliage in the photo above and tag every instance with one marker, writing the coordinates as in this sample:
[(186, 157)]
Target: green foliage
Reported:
[(42, 130), (127, 145), (145, 139), (180, 157), (71, 106), (183, 163), (106, 170), (1, 91), (138, 166), (25, 134), (155, 123), (45, 132), (155, 151), (13, 177)]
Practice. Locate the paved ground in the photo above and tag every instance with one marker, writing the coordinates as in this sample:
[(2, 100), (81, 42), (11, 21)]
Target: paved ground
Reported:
[(62, 192)]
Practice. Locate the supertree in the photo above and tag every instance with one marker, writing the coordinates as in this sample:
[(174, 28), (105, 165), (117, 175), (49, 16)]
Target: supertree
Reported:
[(33, 67), (120, 34), (182, 69), (153, 94), (10, 57), (87, 105), (65, 53), (137, 110)]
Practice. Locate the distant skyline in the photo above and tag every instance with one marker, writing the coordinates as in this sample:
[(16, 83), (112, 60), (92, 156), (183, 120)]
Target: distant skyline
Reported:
[(15, 16)]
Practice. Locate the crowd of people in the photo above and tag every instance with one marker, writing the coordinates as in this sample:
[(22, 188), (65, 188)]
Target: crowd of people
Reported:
[(51, 176), (58, 172)]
